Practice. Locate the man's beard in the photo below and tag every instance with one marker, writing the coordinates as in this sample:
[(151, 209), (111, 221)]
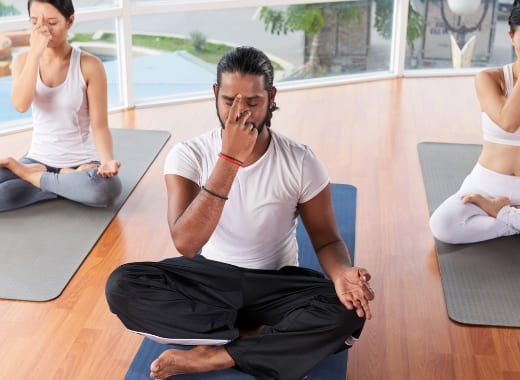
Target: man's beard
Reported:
[(259, 127)]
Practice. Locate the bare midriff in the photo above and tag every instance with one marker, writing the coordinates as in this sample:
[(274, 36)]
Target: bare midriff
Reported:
[(504, 159)]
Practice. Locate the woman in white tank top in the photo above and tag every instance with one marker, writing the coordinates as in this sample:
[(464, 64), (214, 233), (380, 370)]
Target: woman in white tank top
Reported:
[(486, 205), (71, 152)]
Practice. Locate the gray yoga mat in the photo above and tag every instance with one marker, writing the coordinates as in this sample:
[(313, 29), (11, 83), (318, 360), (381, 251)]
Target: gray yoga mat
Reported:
[(481, 281), (42, 246)]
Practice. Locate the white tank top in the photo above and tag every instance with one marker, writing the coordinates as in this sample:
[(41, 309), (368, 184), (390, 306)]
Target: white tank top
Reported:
[(61, 122), (492, 132)]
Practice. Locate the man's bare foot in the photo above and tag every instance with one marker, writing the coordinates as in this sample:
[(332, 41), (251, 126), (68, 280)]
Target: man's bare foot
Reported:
[(198, 359), (490, 205), (28, 172)]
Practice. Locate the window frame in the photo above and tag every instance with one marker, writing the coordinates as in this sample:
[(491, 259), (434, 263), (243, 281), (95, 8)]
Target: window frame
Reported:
[(123, 11)]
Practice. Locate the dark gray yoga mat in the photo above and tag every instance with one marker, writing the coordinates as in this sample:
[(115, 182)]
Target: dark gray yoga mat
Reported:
[(481, 281), (42, 246)]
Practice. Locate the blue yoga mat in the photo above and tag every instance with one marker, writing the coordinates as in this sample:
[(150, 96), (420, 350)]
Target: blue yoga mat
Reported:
[(332, 368)]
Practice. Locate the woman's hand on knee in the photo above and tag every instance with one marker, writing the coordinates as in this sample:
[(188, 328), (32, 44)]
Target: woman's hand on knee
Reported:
[(109, 168)]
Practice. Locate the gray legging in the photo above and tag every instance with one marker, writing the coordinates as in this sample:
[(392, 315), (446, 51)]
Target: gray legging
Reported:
[(85, 187)]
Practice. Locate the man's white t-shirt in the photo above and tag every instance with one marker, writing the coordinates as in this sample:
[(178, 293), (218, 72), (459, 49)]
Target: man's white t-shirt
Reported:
[(257, 228)]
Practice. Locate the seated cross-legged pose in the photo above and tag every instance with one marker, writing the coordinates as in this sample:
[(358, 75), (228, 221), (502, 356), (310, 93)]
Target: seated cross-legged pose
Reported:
[(485, 205), (234, 194), (71, 150)]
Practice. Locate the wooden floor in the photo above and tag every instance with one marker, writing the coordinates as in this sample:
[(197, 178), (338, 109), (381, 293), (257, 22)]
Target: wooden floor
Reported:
[(367, 136)]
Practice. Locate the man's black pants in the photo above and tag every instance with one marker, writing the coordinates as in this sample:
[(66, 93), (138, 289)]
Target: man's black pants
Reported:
[(203, 299)]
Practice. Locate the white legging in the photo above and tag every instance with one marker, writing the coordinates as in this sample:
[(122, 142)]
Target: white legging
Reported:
[(457, 223)]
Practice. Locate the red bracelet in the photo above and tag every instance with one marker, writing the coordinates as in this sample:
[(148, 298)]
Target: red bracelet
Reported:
[(231, 159)]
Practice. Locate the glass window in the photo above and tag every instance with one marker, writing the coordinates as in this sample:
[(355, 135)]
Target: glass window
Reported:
[(89, 36), (9, 8), (458, 34), (11, 43), (176, 53), (19, 7), (79, 4), (99, 38)]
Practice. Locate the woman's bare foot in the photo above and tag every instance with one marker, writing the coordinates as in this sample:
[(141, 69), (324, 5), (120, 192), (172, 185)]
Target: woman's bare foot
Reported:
[(79, 168), (198, 359), (28, 172), (490, 205)]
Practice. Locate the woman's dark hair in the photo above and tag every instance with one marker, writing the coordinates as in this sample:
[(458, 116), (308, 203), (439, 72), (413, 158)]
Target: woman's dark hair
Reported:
[(249, 60), (514, 17), (65, 7)]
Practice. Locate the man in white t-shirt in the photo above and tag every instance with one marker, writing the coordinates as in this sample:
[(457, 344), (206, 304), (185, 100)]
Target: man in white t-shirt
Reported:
[(236, 294)]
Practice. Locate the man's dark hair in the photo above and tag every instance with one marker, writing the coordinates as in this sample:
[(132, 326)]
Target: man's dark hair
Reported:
[(249, 60), (246, 60), (65, 7), (514, 17)]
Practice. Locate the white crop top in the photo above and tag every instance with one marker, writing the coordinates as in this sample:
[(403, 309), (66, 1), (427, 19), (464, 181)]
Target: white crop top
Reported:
[(492, 132)]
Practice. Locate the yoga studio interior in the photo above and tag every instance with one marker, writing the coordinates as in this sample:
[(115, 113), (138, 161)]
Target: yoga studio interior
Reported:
[(383, 91)]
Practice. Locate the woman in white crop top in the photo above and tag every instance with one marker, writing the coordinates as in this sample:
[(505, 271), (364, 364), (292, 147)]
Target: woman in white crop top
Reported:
[(486, 205), (71, 150)]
